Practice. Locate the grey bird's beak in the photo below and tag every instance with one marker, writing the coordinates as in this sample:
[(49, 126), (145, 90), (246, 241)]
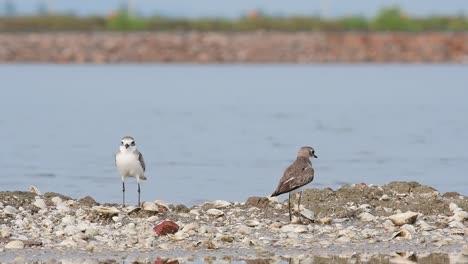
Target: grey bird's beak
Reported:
[(127, 145), (315, 156)]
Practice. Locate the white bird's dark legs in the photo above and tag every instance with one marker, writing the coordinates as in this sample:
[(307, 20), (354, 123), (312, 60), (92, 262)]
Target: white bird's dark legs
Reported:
[(289, 203), (139, 191), (123, 192)]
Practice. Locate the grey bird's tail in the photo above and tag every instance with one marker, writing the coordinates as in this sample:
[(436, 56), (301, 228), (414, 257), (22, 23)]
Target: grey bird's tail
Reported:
[(143, 178)]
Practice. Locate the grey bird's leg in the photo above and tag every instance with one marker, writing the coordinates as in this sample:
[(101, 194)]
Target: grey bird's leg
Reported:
[(123, 192), (289, 203), (139, 191)]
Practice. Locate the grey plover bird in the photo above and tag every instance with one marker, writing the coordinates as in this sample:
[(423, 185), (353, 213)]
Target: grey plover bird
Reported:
[(130, 163), (297, 176)]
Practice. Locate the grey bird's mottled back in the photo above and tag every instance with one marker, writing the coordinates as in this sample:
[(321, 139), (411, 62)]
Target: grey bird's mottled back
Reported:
[(297, 174)]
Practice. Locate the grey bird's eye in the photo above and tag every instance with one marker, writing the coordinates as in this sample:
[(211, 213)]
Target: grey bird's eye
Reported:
[(133, 143)]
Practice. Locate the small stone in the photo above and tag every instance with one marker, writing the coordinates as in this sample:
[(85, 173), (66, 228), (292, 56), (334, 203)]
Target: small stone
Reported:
[(366, 217), (404, 218), (385, 198), (456, 224), (252, 223), (194, 212), (325, 220), (178, 236), (56, 200), (343, 239), (90, 247), (244, 230), (211, 230), (106, 210), (460, 216), (221, 204), (39, 203), (215, 212), (301, 229), (152, 207), (68, 243), (91, 232), (15, 244), (190, 226), (5, 231), (164, 246), (453, 206), (165, 228), (227, 238), (10, 210)]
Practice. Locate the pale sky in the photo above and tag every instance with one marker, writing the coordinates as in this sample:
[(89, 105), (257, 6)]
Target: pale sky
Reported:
[(235, 8)]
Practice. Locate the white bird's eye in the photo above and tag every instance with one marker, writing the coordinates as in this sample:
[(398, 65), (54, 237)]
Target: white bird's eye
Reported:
[(133, 143), (121, 143)]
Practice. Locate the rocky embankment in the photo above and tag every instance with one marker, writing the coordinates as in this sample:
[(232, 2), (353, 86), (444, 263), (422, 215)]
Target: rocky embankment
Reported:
[(399, 216), (250, 47)]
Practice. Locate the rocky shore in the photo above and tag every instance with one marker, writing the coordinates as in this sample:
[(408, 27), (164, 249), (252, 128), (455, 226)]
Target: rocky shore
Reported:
[(251, 47), (353, 222)]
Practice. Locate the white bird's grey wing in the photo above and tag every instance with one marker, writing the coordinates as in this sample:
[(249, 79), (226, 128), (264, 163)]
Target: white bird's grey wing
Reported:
[(297, 175), (141, 159)]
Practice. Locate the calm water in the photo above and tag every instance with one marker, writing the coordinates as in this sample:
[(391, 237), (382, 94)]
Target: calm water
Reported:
[(228, 132)]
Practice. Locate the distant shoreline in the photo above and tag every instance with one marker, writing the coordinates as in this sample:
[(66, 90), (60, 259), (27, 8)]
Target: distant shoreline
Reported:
[(239, 47)]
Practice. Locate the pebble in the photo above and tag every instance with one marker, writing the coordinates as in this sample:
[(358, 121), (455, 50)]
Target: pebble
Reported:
[(252, 223), (221, 204), (194, 212), (152, 207), (39, 203), (56, 200), (404, 218), (325, 220), (106, 210), (366, 217), (10, 210), (385, 198), (453, 207), (6, 231), (190, 226), (460, 216), (215, 212), (15, 244), (244, 230), (343, 239)]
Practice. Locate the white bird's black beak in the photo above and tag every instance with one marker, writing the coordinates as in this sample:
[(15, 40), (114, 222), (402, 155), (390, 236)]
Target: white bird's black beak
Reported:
[(127, 145)]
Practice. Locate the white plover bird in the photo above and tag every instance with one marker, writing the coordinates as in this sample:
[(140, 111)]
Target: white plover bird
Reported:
[(297, 176), (130, 163)]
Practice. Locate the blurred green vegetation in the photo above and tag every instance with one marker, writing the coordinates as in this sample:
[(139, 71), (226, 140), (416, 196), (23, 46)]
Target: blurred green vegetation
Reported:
[(388, 19)]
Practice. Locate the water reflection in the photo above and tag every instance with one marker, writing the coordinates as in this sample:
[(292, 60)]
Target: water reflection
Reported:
[(401, 257)]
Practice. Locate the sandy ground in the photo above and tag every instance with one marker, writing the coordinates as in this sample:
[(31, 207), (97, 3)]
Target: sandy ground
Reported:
[(355, 223)]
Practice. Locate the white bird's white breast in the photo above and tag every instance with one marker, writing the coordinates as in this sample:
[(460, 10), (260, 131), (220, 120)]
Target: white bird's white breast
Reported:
[(129, 165)]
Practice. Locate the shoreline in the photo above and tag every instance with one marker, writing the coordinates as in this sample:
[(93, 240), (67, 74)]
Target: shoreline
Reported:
[(354, 219), (239, 47)]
